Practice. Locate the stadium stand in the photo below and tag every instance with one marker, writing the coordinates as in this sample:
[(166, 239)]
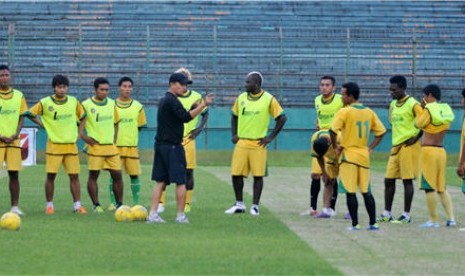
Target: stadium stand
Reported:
[(292, 43)]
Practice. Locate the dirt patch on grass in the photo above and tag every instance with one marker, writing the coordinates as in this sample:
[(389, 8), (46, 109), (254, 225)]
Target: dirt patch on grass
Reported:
[(395, 249)]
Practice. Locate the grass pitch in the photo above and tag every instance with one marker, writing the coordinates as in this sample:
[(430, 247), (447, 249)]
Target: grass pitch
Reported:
[(213, 243)]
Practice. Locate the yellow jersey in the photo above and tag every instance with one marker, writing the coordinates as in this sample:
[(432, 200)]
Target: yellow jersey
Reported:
[(435, 117), (132, 117), (327, 109), (12, 106), (356, 122), (253, 112), (402, 114)]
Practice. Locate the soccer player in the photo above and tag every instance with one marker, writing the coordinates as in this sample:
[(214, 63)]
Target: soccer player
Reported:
[(189, 100), (169, 164), (327, 104), (12, 108), (249, 124), (101, 130), (405, 152), (434, 120), (461, 165), (356, 122), (60, 114), (327, 161), (132, 119)]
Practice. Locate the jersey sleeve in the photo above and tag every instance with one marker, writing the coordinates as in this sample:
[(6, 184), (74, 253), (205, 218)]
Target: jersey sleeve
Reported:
[(80, 112), (23, 107), (235, 108), (417, 110), (339, 121), (275, 108), (423, 119), (36, 110), (377, 126), (141, 119), (116, 117)]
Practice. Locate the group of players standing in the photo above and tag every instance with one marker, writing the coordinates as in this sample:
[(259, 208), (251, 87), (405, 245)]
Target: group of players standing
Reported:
[(108, 127), (340, 149), (340, 146)]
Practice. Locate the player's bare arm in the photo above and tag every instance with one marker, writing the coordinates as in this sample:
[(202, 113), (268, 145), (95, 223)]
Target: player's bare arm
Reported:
[(280, 121)]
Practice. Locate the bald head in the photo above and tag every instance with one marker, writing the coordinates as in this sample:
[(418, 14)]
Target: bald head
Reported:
[(253, 82)]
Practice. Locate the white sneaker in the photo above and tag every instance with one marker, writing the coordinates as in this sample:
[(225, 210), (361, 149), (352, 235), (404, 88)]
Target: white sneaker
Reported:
[(161, 208), (254, 211), (235, 209), (155, 219), (182, 219), (309, 212), (16, 210)]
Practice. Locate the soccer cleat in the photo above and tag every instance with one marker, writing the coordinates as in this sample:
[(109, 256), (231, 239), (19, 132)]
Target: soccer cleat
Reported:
[(254, 211), (50, 210), (309, 212), (347, 216), (430, 224), (402, 220), (384, 218), (81, 210), (97, 209), (322, 215), (154, 219), (17, 211), (235, 209), (187, 208), (182, 220), (373, 227), (451, 223), (354, 228), (161, 208), (111, 207)]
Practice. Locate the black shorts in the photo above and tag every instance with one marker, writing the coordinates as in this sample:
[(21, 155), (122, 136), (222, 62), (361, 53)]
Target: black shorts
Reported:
[(169, 164)]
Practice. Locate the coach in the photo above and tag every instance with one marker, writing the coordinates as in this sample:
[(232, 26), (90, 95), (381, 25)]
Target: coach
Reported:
[(169, 165)]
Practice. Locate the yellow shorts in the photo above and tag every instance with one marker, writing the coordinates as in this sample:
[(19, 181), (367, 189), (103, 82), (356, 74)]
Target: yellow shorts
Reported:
[(352, 176), (12, 157), (189, 148), (70, 163), (403, 162), (96, 163), (433, 168), (332, 168), (315, 166), (131, 165), (248, 159)]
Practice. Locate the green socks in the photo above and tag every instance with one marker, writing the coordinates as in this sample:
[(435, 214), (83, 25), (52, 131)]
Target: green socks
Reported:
[(135, 188)]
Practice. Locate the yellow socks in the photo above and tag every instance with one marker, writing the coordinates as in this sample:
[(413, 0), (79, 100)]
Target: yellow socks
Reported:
[(447, 204), (432, 206)]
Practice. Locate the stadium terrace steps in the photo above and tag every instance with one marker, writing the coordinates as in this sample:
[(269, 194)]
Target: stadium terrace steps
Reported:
[(291, 43)]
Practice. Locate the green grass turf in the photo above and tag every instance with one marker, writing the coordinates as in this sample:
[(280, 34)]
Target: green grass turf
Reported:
[(214, 243)]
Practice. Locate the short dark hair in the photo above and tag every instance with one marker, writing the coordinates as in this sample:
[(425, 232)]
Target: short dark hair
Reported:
[(4, 67), (320, 146), (433, 90), (99, 81), (331, 78), (352, 89), (400, 80), (124, 79), (59, 80), (463, 93)]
